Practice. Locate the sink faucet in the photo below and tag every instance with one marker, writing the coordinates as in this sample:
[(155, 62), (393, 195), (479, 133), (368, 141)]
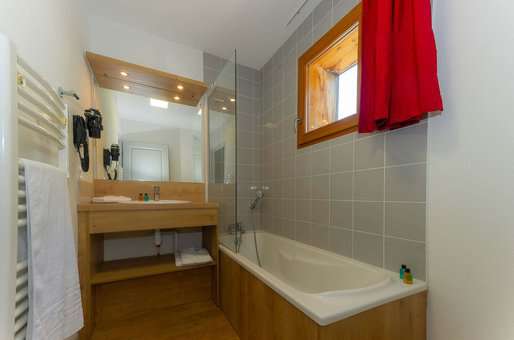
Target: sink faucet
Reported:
[(156, 193)]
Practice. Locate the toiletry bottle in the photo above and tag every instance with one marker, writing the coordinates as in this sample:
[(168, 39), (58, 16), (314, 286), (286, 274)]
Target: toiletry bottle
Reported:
[(147, 198), (141, 198), (402, 271), (407, 277)]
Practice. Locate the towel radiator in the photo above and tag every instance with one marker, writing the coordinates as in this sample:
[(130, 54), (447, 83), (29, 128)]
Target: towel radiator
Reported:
[(29, 105)]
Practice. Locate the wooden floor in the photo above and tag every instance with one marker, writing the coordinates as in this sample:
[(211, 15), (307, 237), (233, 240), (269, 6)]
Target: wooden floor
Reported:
[(196, 321)]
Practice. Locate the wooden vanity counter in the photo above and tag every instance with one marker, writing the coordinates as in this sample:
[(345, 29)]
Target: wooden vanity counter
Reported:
[(82, 207), (124, 217), (125, 277)]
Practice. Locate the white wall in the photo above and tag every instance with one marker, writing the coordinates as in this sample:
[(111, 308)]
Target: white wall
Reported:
[(49, 35), (471, 174), (138, 47)]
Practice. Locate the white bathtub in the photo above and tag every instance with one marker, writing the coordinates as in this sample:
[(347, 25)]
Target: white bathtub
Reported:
[(325, 286)]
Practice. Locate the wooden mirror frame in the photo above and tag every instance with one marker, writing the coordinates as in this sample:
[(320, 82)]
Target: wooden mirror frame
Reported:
[(339, 127)]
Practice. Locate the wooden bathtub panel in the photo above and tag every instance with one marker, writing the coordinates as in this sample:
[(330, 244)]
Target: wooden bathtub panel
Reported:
[(256, 311), (403, 319), (230, 290), (291, 323), (262, 314)]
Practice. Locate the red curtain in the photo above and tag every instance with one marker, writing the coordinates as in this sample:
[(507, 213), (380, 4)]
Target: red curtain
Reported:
[(399, 84)]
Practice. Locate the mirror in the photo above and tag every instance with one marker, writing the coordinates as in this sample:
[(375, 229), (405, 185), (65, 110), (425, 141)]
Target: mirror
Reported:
[(158, 140)]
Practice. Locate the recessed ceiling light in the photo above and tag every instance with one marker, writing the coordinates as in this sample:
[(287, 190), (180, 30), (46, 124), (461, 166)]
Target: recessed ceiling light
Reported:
[(177, 98), (232, 99), (224, 108), (124, 74), (180, 87), (126, 87), (159, 103)]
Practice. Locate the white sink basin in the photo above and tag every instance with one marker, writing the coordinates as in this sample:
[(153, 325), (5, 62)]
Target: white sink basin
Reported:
[(159, 202)]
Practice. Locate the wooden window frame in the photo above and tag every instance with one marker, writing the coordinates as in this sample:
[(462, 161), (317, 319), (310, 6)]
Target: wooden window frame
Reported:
[(340, 127)]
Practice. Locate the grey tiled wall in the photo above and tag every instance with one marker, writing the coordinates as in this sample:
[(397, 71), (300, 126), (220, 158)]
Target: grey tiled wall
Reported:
[(362, 196)]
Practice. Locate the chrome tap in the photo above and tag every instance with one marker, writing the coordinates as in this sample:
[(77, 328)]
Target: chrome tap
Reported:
[(237, 230)]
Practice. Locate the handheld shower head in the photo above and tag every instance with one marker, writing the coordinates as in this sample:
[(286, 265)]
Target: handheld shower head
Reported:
[(259, 195)]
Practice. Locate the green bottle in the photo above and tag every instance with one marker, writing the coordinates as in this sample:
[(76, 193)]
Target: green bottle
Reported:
[(402, 271)]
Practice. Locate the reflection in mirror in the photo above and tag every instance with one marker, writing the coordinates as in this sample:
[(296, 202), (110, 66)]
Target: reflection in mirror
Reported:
[(222, 146), (159, 140), (222, 127)]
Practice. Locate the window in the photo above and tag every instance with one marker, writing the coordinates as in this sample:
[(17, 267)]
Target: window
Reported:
[(347, 93), (328, 83)]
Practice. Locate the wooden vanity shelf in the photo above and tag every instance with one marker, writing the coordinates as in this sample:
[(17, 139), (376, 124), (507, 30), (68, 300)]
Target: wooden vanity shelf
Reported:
[(132, 282)]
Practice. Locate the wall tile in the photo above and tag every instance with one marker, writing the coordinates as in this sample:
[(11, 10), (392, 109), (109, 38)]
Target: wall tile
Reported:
[(320, 192), (400, 252), (288, 228), (321, 162), (322, 27), (368, 248), (320, 187), (344, 139), (369, 152), (289, 209), (341, 8), (303, 187), (406, 183), (369, 185), (319, 236), (341, 157), (303, 164), (287, 167), (303, 231), (369, 217), (305, 28), (213, 62), (321, 11), (407, 145), (304, 44), (320, 211), (289, 188), (210, 75), (340, 241), (406, 220), (341, 186), (303, 210), (341, 214)]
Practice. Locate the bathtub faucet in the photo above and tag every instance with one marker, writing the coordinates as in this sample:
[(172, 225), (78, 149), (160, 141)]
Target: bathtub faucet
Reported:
[(237, 230)]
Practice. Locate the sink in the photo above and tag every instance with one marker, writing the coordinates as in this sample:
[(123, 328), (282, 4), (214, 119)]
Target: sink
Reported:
[(159, 202)]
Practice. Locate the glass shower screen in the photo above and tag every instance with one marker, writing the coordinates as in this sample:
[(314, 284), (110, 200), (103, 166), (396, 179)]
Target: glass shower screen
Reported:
[(222, 117)]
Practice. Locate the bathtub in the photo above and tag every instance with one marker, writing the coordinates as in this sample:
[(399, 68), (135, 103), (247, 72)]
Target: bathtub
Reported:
[(325, 286)]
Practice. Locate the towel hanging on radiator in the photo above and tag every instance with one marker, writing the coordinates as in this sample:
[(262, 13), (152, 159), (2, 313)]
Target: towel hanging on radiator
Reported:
[(55, 310)]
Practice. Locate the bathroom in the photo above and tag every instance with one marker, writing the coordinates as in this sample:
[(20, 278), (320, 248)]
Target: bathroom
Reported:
[(302, 222)]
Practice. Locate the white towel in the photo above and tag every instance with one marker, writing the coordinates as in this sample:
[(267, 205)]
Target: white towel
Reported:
[(55, 306), (111, 199), (192, 256)]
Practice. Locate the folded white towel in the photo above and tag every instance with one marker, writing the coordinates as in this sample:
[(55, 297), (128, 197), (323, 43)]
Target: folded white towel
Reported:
[(192, 256), (55, 306), (111, 199)]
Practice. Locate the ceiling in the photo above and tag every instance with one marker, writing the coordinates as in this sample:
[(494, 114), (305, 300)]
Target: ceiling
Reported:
[(256, 28)]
